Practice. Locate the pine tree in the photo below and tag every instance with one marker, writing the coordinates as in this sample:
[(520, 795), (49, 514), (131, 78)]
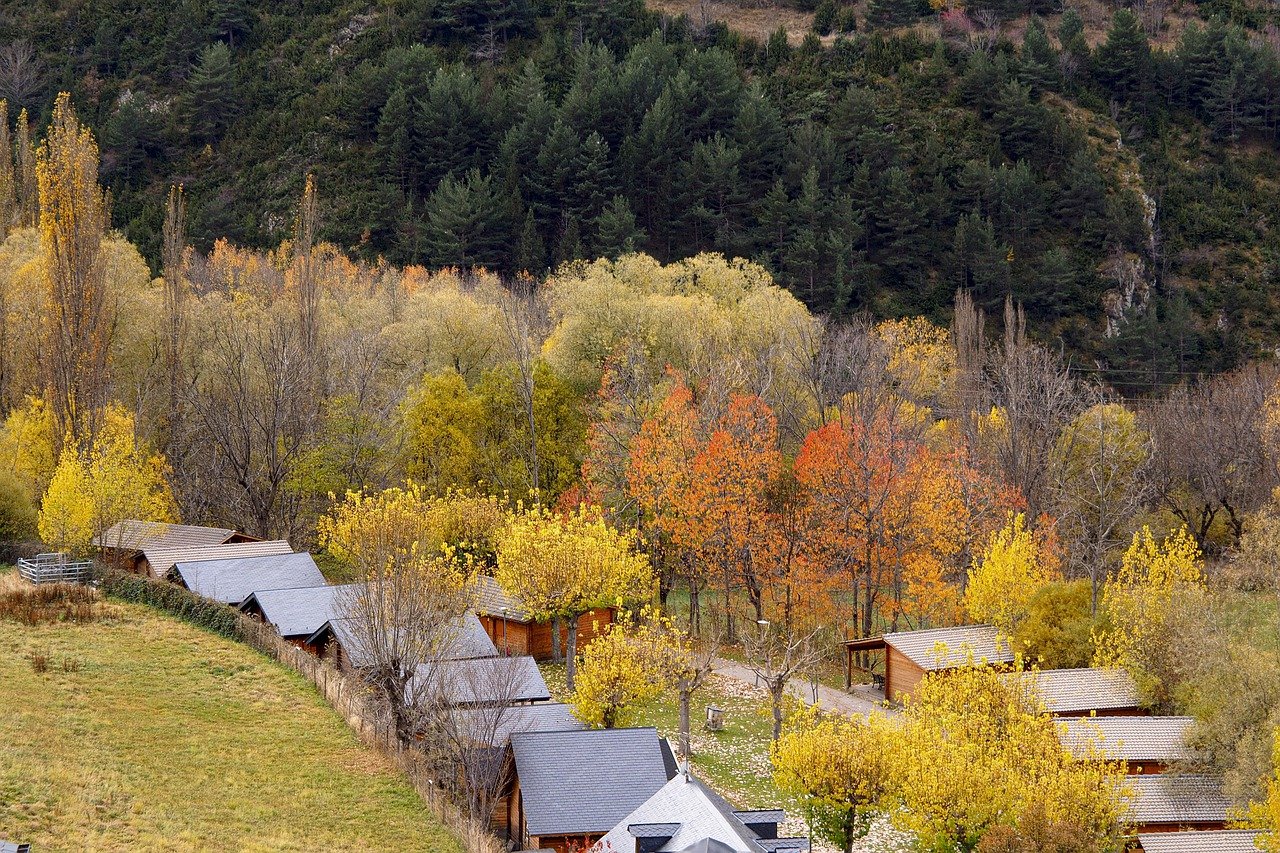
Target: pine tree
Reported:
[(1123, 61), (1039, 66), (211, 97), (1083, 202), (616, 229), (883, 14), (1019, 120), (898, 223), (531, 253), (393, 147), (465, 223), (802, 254)]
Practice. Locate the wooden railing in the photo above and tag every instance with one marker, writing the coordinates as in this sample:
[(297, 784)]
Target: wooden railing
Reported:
[(55, 568)]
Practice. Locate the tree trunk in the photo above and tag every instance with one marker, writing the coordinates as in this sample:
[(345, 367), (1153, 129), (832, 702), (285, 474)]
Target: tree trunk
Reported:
[(695, 616), (555, 641), (571, 653), (686, 748), (776, 688)]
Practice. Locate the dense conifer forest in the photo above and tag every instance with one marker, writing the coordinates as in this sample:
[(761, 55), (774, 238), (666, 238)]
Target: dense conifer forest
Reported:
[(1112, 168)]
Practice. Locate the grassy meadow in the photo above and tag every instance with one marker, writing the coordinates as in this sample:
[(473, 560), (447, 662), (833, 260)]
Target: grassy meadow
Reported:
[(145, 733)]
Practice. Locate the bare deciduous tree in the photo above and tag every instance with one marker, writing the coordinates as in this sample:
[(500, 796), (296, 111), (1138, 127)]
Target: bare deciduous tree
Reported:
[(22, 74), (777, 656)]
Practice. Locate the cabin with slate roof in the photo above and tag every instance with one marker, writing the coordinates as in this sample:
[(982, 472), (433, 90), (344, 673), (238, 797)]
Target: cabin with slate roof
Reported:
[(1166, 802), (298, 612), (1215, 841), (231, 581), (1082, 692), (471, 682), (685, 813), (337, 642), (125, 542), (907, 655), (514, 632), (1145, 744), (159, 562), (571, 788)]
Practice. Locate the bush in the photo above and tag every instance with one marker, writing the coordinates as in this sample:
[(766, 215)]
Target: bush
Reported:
[(17, 510), (825, 17), (846, 21), (1058, 630), (186, 605)]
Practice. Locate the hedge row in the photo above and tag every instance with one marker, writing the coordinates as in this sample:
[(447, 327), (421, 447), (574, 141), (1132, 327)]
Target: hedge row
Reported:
[(173, 599)]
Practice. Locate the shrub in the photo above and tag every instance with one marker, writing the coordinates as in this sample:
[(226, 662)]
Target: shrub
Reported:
[(825, 17), (846, 21), (183, 603), (17, 510)]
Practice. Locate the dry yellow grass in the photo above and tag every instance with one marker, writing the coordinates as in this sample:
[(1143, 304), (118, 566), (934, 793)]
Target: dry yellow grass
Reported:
[(749, 17), (159, 736)]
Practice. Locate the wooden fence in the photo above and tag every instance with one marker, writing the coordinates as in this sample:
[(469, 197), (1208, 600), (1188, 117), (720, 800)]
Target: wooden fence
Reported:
[(348, 698)]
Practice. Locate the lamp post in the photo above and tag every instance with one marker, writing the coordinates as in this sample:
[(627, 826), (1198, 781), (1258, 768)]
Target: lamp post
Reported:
[(764, 630), (506, 649)]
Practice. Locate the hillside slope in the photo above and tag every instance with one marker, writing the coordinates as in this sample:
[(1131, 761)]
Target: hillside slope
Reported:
[(1116, 175), (167, 737)]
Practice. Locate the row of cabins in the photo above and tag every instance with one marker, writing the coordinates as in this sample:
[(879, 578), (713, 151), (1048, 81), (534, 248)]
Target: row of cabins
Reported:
[(1102, 718), (570, 789)]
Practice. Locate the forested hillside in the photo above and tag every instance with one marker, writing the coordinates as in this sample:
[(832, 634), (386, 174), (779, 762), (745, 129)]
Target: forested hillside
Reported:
[(1125, 193)]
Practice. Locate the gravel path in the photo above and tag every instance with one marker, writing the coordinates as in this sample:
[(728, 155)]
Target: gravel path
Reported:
[(827, 698)]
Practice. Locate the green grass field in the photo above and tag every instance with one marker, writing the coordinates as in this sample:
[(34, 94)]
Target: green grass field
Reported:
[(149, 734)]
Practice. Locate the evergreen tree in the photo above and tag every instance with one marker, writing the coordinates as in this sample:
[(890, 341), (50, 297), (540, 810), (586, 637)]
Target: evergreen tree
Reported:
[(802, 255), (531, 254), (1123, 61), (883, 14), (211, 100), (824, 18), (979, 263), (616, 229), (1039, 61), (393, 147), (465, 223), (898, 223), (1019, 120), (1082, 204)]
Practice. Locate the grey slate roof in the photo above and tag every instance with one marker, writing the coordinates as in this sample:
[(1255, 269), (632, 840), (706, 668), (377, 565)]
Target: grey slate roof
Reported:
[(1209, 841), (479, 681), (586, 781), (1074, 691), (232, 580), (162, 560), (491, 598), (134, 535), (695, 814), (300, 611), (945, 648), (470, 640), (1176, 798), (14, 847), (539, 717), (1127, 738)]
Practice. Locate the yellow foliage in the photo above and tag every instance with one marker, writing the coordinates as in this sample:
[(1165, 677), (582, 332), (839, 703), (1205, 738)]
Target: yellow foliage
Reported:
[(973, 753), (1266, 815), (623, 670), (27, 444), (1004, 579), (112, 481), (374, 533), (563, 565), (922, 358)]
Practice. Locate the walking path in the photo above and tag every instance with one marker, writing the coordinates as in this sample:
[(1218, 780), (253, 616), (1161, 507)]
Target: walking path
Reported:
[(827, 698)]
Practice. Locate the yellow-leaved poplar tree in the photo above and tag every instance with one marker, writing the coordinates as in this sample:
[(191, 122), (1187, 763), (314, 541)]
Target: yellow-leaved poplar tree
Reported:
[(838, 768), (623, 670), (563, 565), (1266, 814), (112, 480), (73, 222), (1159, 585), (1010, 571)]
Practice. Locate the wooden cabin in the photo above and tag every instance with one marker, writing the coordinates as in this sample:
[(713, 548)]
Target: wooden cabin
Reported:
[(1212, 841), (1146, 745), (231, 581), (124, 543), (515, 633), (159, 562), (898, 661), (572, 787), (1081, 692), (339, 643), (299, 612), (1170, 802)]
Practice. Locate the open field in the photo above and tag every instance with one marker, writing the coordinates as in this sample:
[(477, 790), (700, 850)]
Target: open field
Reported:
[(147, 734)]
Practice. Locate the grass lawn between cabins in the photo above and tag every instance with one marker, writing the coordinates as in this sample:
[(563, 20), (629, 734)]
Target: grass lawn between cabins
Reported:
[(164, 736)]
